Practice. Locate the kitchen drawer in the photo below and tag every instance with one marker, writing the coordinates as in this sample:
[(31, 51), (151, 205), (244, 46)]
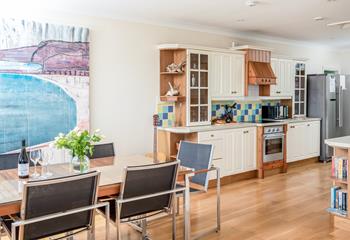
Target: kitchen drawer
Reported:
[(215, 138)]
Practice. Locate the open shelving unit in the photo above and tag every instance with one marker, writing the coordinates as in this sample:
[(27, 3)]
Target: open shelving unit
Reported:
[(177, 79), (341, 219)]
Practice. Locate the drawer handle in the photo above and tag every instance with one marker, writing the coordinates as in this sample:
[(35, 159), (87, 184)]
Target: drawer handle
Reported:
[(245, 131), (292, 126), (233, 92), (308, 125)]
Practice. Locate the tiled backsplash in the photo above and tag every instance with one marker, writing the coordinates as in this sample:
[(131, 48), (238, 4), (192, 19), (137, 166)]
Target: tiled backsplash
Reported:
[(166, 113), (244, 111)]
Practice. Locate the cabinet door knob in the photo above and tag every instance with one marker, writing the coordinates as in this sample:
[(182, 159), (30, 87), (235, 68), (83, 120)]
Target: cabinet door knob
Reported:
[(212, 135), (308, 125)]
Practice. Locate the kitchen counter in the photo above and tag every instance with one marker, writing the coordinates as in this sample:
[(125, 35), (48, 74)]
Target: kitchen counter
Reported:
[(341, 142), (216, 127)]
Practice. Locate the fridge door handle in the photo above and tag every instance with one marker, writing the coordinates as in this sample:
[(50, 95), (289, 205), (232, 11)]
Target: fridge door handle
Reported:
[(340, 107)]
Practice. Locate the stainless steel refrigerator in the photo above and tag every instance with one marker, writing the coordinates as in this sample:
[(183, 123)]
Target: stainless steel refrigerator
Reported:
[(328, 98)]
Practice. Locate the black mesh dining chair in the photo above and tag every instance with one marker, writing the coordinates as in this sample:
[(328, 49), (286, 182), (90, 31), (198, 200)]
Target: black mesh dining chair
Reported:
[(199, 158), (146, 191), (57, 206), (10, 161), (103, 150)]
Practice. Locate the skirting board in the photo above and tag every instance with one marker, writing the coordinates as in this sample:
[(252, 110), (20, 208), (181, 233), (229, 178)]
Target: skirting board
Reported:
[(254, 174)]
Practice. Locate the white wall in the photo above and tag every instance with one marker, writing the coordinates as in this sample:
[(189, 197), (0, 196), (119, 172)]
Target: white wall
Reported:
[(124, 65)]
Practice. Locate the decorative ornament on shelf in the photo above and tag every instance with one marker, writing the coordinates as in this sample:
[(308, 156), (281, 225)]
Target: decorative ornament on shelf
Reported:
[(176, 68), (80, 143), (172, 91)]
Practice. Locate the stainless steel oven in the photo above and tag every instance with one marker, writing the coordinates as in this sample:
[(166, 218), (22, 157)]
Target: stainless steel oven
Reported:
[(273, 147)]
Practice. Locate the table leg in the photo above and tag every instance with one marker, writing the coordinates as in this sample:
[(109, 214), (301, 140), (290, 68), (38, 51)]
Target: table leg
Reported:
[(187, 208)]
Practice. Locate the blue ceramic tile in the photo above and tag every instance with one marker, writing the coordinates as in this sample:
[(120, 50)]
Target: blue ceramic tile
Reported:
[(250, 106), (170, 109), (165, 109), (253, 118), (165, 116), (160, 122), (213, 113), (246, 112), (238, 106), (217, 106), (235, 112)]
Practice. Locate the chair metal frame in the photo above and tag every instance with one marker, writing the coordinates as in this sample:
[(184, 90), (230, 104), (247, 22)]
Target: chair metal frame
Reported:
[(91, 229), (172, 203), (204, 190)]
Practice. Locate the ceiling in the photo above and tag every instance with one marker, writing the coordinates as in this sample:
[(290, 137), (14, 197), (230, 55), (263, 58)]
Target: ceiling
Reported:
[(270, 19)]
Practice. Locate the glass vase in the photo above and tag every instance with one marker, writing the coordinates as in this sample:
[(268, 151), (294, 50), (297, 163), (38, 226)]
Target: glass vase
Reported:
[(80, 165)]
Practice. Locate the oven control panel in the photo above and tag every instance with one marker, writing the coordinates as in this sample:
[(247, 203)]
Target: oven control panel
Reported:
[(273, 129)]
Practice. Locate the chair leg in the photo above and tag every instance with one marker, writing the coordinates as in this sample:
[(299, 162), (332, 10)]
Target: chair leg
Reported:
[(91, 231), (218, 203), (174, 215), (117, 220), (107, 221), (178, 205), (144, 228), (70, 235)]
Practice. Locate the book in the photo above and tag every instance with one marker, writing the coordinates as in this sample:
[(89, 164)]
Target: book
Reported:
[(340, 167), (334, 196)]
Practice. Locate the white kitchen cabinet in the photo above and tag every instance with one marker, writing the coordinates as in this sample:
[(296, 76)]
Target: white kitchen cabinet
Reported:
[(303, 140), (249, 149), (216, 138), (241, 156), (284, 70), (234, 149), (312, 138), (199, 101), (226, 75)]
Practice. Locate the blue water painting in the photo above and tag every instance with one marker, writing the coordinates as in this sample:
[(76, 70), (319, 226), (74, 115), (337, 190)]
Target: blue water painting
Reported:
[(32, 109)]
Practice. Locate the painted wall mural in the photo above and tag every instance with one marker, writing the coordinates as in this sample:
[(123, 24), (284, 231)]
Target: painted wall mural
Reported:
[(44, 81)]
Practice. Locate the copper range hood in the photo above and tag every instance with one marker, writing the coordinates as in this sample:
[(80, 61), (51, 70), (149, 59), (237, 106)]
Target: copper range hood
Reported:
[(258, 68)]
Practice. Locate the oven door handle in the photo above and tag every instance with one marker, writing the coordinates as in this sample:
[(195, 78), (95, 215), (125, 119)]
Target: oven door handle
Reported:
[(273, 136)]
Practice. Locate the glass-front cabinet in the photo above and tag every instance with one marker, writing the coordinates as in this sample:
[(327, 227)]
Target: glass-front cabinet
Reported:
[(198, 105), (300, 90)]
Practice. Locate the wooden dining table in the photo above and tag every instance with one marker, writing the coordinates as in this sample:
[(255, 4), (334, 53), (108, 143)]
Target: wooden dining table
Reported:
[(111, 173)]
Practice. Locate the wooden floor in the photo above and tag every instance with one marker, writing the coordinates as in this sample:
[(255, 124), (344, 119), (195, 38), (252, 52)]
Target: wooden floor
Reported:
[(280, 207)]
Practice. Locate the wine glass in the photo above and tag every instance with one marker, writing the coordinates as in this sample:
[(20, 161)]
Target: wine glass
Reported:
[(45, 161), (35, 156)]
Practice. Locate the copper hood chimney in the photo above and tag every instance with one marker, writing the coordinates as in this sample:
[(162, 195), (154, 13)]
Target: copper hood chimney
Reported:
[(258, 68)]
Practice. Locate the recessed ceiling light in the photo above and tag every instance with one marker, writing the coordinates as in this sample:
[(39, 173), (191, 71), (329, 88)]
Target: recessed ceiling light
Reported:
[(251, 3), (318, 18)]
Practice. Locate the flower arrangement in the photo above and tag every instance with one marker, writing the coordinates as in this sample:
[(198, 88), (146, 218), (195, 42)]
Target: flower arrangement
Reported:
[(80, 143)]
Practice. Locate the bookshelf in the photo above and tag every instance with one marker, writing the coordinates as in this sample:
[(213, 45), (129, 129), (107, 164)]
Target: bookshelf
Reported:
[(339, 200)]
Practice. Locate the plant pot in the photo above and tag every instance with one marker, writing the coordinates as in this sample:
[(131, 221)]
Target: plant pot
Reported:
[(80, 165)]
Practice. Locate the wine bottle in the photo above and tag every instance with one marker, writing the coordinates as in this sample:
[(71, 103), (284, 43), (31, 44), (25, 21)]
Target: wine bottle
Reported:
[(23, 162)]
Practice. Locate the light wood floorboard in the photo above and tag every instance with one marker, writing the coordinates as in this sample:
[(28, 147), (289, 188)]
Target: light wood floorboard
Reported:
[(280, 207)]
